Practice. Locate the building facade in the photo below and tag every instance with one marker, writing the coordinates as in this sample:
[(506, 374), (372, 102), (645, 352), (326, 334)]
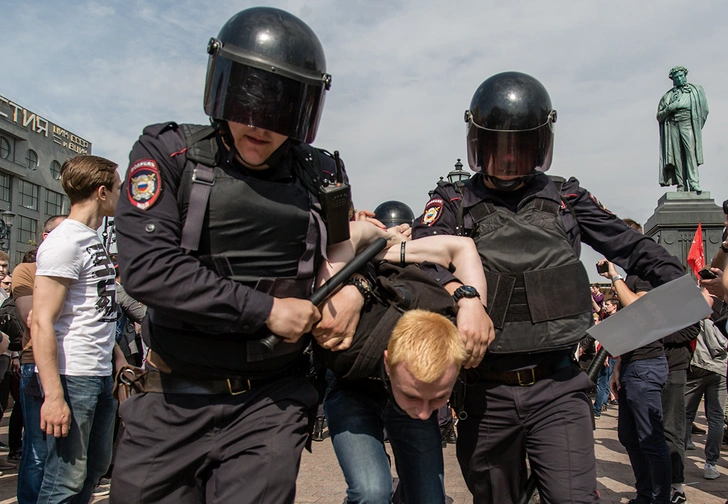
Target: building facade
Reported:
[(32, 150)]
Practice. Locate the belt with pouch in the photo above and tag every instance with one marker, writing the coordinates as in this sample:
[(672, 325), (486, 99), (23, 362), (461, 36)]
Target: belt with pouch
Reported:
[(156, 381), (525, 377), (159, 378)]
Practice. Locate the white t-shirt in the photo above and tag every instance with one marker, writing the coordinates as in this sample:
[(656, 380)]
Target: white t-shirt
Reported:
[(86, 327)]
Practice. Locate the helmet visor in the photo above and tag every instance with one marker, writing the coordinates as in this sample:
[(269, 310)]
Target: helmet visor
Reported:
[(255, 97), (505, 154)]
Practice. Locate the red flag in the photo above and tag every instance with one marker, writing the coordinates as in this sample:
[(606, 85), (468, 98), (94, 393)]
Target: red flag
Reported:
[(696, 256)]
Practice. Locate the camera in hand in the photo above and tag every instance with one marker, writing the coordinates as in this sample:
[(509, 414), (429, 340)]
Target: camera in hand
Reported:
[(603, 268), (706, 274)]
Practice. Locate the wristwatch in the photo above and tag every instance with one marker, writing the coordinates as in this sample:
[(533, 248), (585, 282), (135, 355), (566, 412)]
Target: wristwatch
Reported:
[(363, 287), (617, 277), (465, 291)]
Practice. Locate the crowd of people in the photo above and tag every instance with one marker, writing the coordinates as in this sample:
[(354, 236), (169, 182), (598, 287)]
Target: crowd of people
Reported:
[(228, 233), (659, 387)]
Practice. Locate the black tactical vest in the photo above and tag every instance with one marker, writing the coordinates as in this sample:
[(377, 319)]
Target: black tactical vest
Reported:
[(538, 290), (264, 234)]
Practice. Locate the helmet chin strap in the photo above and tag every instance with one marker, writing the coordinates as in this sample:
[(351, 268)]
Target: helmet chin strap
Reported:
[(509, 185), (504, 185)]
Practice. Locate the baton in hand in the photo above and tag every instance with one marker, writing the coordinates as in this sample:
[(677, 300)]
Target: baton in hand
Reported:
[(269, 342), (593, 373)]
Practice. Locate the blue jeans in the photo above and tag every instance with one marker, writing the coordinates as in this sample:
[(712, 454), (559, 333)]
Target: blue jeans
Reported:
[(641, 429), (75, 463), (605, 375), (356, 420), (35, 450)]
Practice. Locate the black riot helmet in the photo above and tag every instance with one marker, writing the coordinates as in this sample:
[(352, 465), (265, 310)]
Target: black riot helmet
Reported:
[(394, 213), (510, 127), (267, 69)]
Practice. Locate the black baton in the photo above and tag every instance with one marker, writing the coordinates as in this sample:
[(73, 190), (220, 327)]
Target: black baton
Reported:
[(593, 373), (269, 342)]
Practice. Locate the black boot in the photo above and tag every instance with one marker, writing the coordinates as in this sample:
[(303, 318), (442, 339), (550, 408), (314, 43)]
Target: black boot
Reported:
[(320, 429), (450, 436)]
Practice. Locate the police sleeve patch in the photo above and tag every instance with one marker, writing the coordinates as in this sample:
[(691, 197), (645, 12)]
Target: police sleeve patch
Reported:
[(599, 204), (145, 184), (433, 211)]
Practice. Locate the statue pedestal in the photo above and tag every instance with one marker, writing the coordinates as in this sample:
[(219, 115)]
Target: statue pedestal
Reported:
[(676, 218)]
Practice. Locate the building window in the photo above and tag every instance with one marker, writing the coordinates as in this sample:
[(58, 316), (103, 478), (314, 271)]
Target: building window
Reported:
[(27, 229), (31, 159), (56, 169), (28, 194), (5, 187), (4, 147), (54, 203)]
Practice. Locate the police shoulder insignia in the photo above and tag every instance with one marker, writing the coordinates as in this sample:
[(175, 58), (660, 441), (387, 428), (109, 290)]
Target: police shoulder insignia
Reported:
[(433, 211), (145, 184), (599, 204)]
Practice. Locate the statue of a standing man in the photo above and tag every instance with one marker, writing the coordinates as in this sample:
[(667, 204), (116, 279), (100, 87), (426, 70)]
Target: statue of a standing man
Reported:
[(682, 113)]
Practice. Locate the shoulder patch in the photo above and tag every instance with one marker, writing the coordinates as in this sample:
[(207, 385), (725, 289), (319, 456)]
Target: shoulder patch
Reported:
[(145, 184), (433, 211), (599, 204)]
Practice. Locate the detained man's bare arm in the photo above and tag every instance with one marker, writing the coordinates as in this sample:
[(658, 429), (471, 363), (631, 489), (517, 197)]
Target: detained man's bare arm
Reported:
[(442, 250), (340, 312)]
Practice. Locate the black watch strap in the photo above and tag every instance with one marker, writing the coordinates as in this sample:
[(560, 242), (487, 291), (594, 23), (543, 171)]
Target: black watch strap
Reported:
[(363, 287), (465, 291)]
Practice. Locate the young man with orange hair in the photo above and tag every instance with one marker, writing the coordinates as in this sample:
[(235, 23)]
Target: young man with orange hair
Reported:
[(401, 366)]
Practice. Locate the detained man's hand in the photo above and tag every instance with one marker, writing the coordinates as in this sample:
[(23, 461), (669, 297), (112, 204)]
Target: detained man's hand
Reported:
[(368, 215), (339, 319), (475, 328)]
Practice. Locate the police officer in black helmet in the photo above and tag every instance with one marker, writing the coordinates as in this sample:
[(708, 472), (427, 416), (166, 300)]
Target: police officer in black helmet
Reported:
[(220, 231), (393, 213), (527, 397)]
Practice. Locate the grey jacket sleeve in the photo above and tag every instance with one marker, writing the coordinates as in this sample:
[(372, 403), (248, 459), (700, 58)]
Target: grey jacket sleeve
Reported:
[(130, 306)]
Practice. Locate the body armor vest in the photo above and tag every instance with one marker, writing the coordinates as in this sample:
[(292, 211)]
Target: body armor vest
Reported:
[(264, 234), (538, 290)]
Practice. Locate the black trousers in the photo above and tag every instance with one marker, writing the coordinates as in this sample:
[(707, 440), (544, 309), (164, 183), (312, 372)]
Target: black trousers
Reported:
[(214, 449), (673, 416), (549, 421)]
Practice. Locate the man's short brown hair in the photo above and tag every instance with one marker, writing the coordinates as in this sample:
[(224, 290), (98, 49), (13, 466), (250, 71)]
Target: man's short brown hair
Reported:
[(633, 224), (4, 257), (615, 302), (82, 175), (428, 343), (52, 222)]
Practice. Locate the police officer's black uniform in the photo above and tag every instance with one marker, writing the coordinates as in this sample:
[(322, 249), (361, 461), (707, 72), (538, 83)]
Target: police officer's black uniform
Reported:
[(205, 243), (527, 396)]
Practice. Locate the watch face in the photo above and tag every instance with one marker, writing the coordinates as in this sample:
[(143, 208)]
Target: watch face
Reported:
[(465, 291)]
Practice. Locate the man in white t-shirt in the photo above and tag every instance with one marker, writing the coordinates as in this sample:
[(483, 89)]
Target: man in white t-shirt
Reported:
[(73, 328)]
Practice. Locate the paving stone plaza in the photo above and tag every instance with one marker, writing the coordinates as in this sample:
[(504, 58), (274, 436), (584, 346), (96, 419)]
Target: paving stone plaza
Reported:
[(321, 481)]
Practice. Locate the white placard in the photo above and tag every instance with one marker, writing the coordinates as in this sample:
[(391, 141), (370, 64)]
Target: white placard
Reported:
[(662, 311)]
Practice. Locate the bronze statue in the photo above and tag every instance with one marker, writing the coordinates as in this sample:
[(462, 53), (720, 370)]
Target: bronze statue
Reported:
[(681, 113)]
